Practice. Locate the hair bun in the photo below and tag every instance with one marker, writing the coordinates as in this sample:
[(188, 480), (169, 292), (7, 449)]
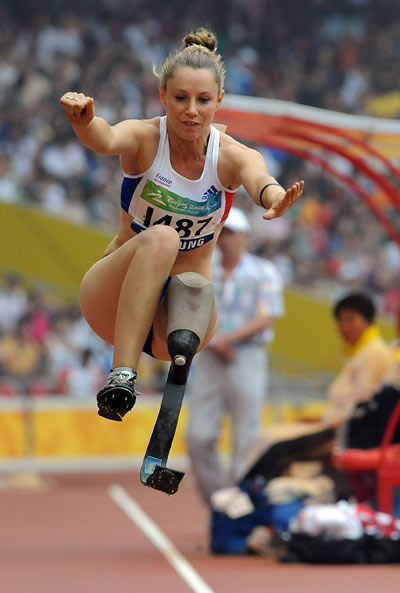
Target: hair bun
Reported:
[(201, 37), (198, 51)]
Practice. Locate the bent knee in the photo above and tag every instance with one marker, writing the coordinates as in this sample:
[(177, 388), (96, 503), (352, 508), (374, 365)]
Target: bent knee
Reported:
[(161, 241)]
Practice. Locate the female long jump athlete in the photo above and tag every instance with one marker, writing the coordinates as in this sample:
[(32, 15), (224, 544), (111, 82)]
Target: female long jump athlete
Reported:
[(180, 177)]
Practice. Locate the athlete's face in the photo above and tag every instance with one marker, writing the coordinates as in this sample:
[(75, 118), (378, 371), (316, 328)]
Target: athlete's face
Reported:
[(191, 99)]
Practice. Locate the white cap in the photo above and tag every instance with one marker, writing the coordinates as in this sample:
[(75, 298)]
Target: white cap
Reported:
[(237, 221)]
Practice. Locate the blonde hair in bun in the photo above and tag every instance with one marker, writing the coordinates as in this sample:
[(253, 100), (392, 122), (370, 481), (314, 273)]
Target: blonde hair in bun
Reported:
[(202, 38), (198, 51)]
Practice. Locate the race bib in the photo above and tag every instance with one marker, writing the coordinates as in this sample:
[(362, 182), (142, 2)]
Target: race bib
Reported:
[(195, 221)]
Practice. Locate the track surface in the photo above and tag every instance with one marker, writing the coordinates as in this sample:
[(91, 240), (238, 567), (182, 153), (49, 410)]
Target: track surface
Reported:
[(73, 536)]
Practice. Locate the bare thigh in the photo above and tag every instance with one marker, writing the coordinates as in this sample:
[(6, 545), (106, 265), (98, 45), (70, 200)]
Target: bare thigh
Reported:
[(100, 289), (99, 295)]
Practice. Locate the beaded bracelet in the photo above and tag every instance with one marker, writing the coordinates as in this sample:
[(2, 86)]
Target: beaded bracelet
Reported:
[(262, 191)]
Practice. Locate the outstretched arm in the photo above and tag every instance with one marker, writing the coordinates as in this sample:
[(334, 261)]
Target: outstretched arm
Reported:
[(279, 203), (94, 132), (264, 189)]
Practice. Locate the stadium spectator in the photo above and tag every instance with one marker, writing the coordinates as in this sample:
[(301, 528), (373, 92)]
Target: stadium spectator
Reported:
[(83, 378), (13, 302), (21, 360), (368, 357), (38, 314), (366, 424)]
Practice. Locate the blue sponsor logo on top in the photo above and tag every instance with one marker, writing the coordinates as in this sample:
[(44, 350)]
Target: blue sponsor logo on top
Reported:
[(209, 192)]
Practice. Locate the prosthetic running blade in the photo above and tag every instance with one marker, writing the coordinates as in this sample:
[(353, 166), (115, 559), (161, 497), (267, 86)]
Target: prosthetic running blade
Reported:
[(154, 472), (182, 345)]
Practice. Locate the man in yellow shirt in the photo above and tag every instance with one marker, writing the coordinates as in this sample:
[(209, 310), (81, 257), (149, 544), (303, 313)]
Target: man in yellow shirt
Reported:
[(368, 361), (366, 425), (367, 357)]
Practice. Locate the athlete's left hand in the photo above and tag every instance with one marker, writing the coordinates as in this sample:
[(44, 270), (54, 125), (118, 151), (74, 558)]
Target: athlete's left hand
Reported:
[(284, 201)]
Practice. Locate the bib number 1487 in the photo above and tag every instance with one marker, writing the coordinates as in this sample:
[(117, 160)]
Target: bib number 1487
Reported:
[(184, 226)]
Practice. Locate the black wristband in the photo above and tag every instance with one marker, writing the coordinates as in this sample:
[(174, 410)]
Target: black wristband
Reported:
[(262, 191)]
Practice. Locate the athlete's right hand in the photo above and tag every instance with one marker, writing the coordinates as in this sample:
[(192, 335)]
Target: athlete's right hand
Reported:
[(78, 108)]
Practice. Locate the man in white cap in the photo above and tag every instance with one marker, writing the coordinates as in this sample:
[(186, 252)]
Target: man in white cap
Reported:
[(231, 375)]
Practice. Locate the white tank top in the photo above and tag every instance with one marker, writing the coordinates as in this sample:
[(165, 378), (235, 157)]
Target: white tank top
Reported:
[(160, 195)]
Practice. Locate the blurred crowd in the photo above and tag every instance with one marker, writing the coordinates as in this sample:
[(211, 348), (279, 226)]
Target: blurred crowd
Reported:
[(46, 347), (342, 56)]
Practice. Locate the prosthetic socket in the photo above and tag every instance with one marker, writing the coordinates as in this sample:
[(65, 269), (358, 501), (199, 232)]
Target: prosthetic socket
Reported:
[(190, 301)]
